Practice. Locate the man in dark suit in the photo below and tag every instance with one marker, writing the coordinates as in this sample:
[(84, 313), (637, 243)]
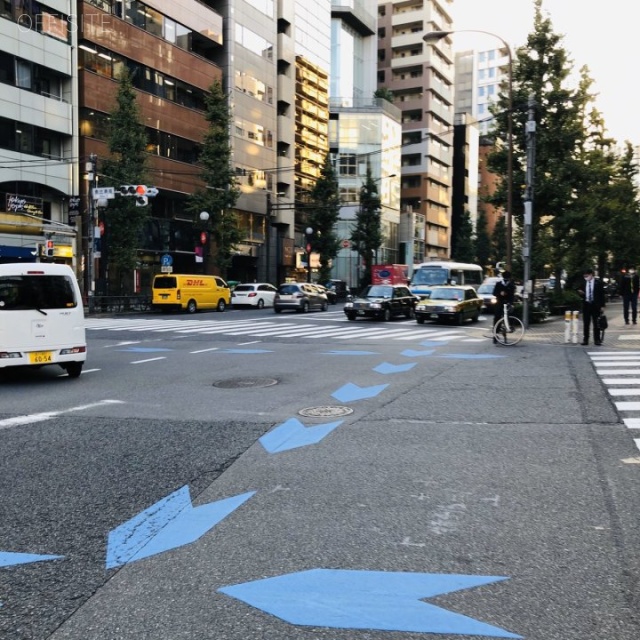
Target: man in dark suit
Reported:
[(593, 303), (629, 291)]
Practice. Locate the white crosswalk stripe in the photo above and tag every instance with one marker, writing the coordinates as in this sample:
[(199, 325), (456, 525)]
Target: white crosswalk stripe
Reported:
[(337, 329), (621, 384)]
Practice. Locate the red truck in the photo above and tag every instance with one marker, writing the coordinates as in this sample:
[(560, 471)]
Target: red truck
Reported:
[(389, 274)]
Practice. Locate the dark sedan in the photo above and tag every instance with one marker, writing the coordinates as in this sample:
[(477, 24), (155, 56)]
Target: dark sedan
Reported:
[(382, 301)]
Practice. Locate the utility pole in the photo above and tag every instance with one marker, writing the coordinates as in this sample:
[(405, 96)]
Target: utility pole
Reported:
[(528, 209), (92, 177)]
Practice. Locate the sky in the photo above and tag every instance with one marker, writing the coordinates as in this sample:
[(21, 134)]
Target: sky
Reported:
[(611, 58)]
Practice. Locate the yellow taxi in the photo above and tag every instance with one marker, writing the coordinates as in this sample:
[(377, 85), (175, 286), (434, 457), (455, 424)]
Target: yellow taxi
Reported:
[(457, 303)]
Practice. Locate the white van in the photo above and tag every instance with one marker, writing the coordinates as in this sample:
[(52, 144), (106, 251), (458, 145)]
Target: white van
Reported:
[(41, 317)]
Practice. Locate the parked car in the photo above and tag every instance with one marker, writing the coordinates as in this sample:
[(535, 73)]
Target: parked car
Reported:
[(381, 301), (330, 293), (340, 287), (300, 297), (254, 294), (457, 303)]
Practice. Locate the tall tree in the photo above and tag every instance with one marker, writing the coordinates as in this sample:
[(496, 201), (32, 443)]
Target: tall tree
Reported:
[(462, 244), (483, 242), (542, 69), (221, 193), (366, 235), (322, 217), (126, 164)]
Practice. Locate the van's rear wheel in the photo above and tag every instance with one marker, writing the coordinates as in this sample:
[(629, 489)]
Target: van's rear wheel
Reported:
[(192, 307), (73, 369), (222, 305)]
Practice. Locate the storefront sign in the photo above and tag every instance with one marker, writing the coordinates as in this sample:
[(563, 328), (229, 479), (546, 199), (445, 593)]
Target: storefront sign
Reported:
[(24, 204)]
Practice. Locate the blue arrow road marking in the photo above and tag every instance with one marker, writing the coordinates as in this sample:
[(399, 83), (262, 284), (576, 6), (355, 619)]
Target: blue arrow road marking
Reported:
[(351, 392), (470, 356), (245, 351), (8, 559), (388, 601), (168, 524), (412, 353), (350, 353), (386, 367), (293, 434), (434, 343)]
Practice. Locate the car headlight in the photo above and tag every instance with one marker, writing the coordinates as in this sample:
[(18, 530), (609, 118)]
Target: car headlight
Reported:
[(494, 300), (348, 305), (451, 308), (421, 307), (375, 305)]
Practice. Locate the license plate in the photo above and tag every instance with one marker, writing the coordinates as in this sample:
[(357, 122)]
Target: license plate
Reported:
[(164, 296), (40, 357), (434, 316), (361, 312)]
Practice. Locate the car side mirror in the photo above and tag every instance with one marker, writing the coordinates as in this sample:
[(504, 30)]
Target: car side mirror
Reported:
[(349, 297)]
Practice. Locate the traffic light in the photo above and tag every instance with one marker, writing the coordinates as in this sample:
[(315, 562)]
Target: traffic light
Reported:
[(141, 192), (48, 249)]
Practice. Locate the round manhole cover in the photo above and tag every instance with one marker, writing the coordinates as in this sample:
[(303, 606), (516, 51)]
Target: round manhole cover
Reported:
[(325, 412), (245, 383)]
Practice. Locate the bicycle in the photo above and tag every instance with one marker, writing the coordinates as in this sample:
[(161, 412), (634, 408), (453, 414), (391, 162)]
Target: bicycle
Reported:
[(508, 330)]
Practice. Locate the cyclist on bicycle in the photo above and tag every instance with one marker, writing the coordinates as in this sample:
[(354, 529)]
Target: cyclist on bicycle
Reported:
[(504, 292)]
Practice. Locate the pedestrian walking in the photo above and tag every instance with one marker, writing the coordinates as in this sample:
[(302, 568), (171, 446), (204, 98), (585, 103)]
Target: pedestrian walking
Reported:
[(593, 303), (504, 292), (629, 285)]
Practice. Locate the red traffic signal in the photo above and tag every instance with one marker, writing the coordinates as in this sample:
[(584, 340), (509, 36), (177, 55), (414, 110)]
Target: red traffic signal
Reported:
[(48, 248)]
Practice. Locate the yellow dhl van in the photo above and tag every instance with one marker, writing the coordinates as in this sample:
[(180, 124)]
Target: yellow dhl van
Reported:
[(189, 292)]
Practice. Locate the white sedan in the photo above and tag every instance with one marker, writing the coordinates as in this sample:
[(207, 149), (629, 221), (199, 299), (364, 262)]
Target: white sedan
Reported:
[(254, 294)]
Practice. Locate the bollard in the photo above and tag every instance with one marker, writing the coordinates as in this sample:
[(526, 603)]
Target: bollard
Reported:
[(567, 326), (574, 328)]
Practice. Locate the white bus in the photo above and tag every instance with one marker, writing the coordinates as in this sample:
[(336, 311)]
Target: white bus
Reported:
[(41, 317), (438, 272)]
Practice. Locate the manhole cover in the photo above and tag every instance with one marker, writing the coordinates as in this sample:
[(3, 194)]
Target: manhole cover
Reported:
[(325, 412), (245, 383)]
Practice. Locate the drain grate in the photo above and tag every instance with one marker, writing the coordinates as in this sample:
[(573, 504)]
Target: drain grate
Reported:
[(325, 412), (245, 383)]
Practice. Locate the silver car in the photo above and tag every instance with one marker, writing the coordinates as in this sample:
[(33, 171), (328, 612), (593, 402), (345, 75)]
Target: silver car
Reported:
[(300, 297)]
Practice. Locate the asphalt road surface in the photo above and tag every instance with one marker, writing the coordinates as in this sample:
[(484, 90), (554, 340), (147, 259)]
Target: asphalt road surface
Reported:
[(245, 475)]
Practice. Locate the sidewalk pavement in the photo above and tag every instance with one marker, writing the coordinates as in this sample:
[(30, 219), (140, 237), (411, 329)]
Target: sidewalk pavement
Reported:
[(618, 335)]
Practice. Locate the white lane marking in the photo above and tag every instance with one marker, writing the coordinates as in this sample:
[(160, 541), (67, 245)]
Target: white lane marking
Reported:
[(148, 360), (624, 392), (628, 406), (632, 423), (637, 441), (244, 344), (204, 350), (7, 423), (618, 372), (615, 363), (621, 380), (90, 371), (618, 358)]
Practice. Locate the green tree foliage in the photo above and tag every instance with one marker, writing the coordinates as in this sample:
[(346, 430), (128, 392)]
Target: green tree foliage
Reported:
[(584, 189), (322, 217), (221, 193), (384, 93), (462, 243), (483, 241), (126, 164), (498, 240), (366, 235)]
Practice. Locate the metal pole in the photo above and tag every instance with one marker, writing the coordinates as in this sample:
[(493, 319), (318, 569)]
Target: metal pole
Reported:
[(509, 231), (91, 267), (528, 210)]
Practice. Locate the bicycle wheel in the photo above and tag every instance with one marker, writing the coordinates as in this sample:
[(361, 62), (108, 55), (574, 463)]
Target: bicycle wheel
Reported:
[(511, 336)]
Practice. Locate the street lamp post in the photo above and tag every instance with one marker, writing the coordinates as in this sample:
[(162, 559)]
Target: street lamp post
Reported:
[(204, 239), (434, 36), (309, 233)]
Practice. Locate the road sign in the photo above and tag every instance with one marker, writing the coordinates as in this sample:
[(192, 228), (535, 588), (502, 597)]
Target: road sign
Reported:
[(346, 244), (166, 269), (103, 192), (166, 260)]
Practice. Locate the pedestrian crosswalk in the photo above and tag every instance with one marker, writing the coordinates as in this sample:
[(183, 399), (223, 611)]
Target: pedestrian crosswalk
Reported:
[(620, 373), (338, 329)]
